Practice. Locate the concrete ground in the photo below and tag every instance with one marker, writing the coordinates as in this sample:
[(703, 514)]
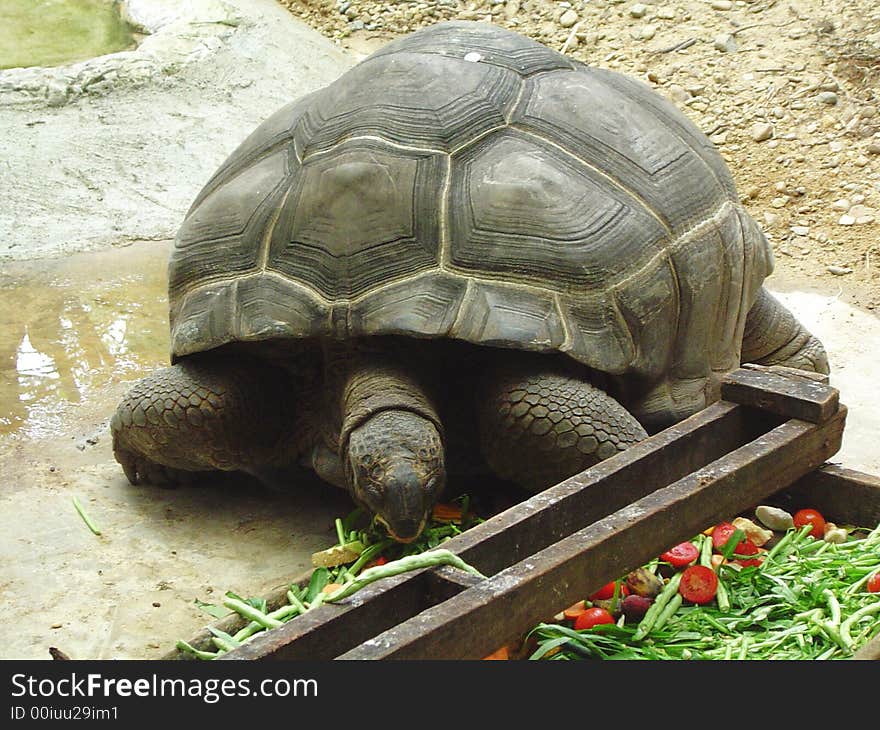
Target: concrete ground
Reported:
[(97, 183)]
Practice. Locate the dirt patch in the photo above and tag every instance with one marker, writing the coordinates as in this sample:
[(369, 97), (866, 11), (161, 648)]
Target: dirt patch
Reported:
[(788, 91)]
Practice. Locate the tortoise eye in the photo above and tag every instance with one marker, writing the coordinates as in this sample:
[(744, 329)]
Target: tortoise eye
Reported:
[(376, 473)]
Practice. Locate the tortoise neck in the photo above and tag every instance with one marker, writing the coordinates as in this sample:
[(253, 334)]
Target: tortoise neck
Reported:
[(364, 378)]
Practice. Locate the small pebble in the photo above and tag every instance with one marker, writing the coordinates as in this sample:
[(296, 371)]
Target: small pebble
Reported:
[(860, 211), (841, 204), (827, 97), (644, 33), (774, 518), (638, 10), (678, 94), (725, 42), (721, 4), (761, 131), (846, 220), (56, 625), (771, 220), (568, 18), (839, 270)]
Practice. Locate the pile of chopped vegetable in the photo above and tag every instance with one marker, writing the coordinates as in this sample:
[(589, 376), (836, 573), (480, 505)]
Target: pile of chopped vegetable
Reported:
[(797, 587), (363, 554), (807, 589)]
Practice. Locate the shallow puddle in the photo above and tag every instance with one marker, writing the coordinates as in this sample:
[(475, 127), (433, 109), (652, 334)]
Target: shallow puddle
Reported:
[(68, 325), (54, 32)]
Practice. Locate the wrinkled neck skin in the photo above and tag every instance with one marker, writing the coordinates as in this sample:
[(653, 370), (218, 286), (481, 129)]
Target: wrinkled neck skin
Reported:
[(390, 444)]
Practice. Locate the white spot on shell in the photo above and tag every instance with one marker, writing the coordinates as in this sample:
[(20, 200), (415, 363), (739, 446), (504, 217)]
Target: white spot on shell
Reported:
[(473, 57)]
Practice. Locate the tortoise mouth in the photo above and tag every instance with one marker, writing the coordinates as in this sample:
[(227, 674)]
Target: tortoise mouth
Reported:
[(409, 535)]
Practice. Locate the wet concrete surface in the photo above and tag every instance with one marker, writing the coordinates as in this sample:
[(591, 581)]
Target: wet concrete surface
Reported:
[(75, 333)]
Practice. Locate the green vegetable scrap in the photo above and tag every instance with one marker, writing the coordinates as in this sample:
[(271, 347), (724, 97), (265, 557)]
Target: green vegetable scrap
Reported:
[(807, 600), (82, 513), (363, 555)]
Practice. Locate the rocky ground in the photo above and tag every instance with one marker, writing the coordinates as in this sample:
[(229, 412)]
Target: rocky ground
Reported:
[(788, 91)]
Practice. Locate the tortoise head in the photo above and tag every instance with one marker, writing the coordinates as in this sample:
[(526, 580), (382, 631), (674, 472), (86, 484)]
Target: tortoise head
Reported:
[(395, 469)]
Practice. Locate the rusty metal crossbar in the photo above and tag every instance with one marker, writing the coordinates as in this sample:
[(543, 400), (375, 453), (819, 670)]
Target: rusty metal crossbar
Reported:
[(770, 428)]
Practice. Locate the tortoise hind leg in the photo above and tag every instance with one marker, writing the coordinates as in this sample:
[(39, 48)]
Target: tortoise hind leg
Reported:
[(773, 336), (540, 425), (201, 415)]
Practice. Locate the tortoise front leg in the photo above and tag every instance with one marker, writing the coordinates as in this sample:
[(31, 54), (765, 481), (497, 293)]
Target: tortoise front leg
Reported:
[(540, 425), (773, 336), (200, 415)]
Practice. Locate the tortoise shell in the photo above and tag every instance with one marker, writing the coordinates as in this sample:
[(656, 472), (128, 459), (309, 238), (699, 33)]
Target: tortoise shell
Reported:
[(466, 182)]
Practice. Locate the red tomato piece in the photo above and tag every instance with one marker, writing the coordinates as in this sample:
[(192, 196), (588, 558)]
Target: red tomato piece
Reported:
[(381, 560), (607, 591), (874, 583), (699, 584), (747, 547), (681, 555), (593, 617), (721, 534), (804, 517)]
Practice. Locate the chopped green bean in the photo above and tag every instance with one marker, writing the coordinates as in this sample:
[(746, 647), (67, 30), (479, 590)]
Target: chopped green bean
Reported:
[(402, 565), (251, 613), (184, 646), (651, 615), (85, 518)]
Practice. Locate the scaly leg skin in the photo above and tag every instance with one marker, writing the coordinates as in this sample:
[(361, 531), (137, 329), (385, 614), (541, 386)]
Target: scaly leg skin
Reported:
[(773, 336), (541, 426), (201, 415)]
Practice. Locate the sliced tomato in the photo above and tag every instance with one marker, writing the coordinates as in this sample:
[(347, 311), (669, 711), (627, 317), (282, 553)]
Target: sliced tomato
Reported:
[(699, 584), (873, 584), (607, 591), (681, 555), (747, 547), (721, 534), (593, 617), (381, 560), (804, 517)]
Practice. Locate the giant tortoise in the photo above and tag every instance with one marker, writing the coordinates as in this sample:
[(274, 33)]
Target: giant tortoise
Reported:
[(468, 253)]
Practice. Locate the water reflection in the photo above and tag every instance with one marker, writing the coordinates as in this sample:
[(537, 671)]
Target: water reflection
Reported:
[(53, 32), (70, 326)]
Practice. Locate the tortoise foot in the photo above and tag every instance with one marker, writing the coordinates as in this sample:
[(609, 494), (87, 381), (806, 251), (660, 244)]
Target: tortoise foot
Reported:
[(201, 416)]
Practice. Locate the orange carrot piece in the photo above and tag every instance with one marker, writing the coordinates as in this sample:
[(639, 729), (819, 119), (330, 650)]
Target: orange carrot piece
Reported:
[(502, 653), (572, 612), (446, 512)]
